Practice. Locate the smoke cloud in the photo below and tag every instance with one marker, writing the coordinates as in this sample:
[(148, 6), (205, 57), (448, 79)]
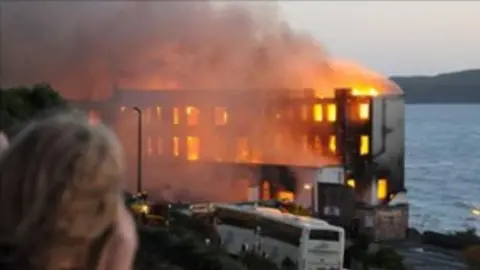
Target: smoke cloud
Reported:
[(84, 48)]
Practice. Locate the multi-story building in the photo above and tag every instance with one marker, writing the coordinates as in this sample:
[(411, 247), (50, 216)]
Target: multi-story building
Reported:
[(216, 144)]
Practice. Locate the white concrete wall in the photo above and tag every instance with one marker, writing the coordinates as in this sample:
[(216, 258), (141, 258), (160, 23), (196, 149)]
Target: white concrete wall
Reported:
[(389, 130)]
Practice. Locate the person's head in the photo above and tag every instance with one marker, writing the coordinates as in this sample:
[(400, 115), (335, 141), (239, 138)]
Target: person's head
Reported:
[(60, 195)]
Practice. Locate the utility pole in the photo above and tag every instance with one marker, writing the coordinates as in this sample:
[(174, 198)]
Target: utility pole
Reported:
[(139, 146)]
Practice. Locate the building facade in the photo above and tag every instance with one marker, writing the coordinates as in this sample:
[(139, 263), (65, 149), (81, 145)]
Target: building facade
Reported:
[(216, 144)]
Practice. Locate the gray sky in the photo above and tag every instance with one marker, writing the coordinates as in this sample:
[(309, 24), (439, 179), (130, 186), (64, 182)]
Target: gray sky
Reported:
[(399, 38)]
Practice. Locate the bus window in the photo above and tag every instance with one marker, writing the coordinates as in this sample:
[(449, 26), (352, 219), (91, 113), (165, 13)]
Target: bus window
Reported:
[(280, 231), (326, 235)]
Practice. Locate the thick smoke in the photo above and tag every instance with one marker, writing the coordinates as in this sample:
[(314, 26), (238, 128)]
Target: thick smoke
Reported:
[(84, 48)]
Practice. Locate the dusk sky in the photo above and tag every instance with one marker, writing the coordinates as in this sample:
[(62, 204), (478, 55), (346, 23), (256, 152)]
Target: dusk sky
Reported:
[(399, 38), (393, 38)]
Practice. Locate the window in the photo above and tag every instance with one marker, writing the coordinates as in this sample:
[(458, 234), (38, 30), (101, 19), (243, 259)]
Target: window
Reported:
[(158, 112), (364, 145), (326, 235), (364, 111), (176, 116), (283, 232), (285, 196), (332, 144), (220, 116), (351, 183), (382, 189), (266, 190), (331, 112), (304, 142), (317, 113), (193, 115), (193, 147), (159, 146), (175, 147), (149, 146), (304, 112), (317, 143), (242, 149)]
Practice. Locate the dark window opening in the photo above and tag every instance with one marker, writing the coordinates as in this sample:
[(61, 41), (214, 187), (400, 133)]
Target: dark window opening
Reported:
[(324, 235)]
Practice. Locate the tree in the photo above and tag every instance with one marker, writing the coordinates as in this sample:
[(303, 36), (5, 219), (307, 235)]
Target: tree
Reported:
[(179, 248), (19, 104)]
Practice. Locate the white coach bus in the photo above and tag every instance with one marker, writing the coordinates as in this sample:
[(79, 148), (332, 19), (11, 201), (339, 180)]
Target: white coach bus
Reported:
[(292, 242)]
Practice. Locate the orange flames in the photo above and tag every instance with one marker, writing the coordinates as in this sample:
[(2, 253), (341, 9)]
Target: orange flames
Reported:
[(173, 45), (365, 92), (220, 140), (168, 46)]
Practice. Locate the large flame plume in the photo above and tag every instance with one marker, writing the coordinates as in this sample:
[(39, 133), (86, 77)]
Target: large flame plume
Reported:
[(83, 48)]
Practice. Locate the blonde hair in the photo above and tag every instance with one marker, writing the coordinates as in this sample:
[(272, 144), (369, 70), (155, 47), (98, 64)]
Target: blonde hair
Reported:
[(60, 182)]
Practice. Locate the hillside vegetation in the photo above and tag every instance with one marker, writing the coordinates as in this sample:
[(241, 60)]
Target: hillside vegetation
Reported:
[(454, 87)]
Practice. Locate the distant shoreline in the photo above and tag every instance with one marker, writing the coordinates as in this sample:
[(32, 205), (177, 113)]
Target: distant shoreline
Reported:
[(461, 87)]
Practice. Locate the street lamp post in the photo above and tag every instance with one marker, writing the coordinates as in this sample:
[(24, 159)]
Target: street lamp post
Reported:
[(140, 146)]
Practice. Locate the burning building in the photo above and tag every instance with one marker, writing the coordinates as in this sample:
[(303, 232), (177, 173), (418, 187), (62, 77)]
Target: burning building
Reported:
[(344, 154), (345, 148)]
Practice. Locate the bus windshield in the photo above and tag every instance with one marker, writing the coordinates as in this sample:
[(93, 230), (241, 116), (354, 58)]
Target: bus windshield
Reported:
[(325, 235)]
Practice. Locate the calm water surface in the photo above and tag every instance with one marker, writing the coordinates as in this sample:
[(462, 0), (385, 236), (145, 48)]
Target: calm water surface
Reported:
[(443, 165)]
